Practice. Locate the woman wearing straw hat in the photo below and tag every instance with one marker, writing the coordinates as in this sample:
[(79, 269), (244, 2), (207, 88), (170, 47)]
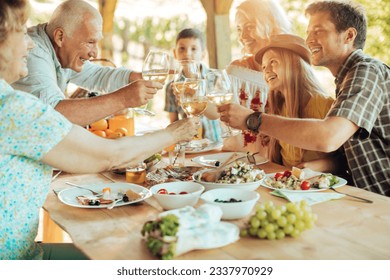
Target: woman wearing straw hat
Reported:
[(293, 92)]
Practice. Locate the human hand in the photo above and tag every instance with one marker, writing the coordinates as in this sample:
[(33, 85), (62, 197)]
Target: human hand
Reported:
[(139, 92), (234, 115), (185, 129)]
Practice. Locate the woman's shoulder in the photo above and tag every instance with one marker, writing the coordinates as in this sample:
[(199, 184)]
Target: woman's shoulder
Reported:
[(245, 62)]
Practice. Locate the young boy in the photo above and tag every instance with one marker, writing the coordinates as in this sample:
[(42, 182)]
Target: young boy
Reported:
[(190, 46)]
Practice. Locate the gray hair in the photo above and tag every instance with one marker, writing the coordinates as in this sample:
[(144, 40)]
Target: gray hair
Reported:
[(71, 14)]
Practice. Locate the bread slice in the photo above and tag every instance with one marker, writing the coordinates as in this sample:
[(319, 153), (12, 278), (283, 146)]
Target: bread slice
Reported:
[(297, 172), (132, 195)]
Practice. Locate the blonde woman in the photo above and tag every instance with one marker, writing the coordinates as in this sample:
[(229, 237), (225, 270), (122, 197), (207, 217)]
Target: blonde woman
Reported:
[(256, 21), (294, 92)]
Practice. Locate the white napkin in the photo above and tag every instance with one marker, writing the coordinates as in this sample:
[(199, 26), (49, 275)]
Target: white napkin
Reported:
[(190, 218), (201, 228), (310, 197)]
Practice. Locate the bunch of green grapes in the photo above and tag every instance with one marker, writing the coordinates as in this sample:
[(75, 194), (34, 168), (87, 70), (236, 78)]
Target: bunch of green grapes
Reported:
[(276, 222)]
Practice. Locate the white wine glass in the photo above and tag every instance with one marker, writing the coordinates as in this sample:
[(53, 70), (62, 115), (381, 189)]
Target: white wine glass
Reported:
[(219, 92), (188, 69), (193, 97), (155, 68)]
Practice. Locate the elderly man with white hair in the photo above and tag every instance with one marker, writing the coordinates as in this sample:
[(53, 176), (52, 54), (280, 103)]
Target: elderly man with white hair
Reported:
[(64, 46)]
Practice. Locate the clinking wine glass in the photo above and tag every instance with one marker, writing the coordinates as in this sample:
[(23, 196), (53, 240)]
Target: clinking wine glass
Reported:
[(155, 68), (189, 69), (193, 97), (219, 92)]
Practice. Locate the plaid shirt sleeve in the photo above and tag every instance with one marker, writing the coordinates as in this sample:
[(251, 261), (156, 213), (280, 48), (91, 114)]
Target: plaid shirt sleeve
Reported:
[(360, 98)]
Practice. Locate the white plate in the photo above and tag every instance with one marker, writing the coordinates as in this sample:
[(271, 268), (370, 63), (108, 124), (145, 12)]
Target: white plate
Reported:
[(342, 182), (69, 196), (210, 160), (201, 146)]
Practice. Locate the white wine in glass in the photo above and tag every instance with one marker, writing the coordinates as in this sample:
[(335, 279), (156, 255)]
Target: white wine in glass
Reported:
[(188, 69), (193, 99), (219, 93), (155, 68)]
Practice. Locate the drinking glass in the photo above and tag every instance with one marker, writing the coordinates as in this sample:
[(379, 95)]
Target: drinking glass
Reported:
[(193, 97), (219, 92), (155, 68), (189, 69)]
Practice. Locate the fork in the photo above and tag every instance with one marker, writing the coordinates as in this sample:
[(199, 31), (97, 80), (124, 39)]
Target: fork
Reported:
[(84, 188), (114, 203), (356, 197)]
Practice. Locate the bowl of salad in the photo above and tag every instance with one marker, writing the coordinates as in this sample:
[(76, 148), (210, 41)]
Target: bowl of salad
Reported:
[(173, 195), (239, 175)]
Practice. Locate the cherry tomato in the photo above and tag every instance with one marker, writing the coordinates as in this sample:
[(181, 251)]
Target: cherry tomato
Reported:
[(183, 193), (305, 185), (162, 191), (287, 174), (278, 175), (172, 193)]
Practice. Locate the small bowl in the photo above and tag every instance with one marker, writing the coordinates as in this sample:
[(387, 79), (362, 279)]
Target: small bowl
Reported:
[(174, 201), (232, 210), (251, 186)]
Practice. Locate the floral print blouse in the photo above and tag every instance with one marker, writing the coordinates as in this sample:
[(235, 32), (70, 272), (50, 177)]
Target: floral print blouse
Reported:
[(28, 130)]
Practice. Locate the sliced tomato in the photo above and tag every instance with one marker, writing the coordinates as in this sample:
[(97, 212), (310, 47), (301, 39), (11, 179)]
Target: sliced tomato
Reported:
[(305, 185), (183, 193), (278, 175), (162, 191), (287, 174), (172, 193)]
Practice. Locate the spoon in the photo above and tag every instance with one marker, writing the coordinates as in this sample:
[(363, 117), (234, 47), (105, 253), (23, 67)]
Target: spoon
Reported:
[(112, 205), (213, 176)]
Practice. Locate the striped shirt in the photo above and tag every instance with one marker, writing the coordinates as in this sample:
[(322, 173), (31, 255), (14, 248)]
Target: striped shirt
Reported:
[(362, 91)]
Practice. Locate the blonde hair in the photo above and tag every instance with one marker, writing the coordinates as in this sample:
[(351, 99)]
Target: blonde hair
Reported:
[(13, 16), (300, 85), (69, 15), (268, 15)]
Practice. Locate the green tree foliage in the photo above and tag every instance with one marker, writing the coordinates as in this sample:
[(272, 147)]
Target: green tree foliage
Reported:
[(378, 16), (154, 32)]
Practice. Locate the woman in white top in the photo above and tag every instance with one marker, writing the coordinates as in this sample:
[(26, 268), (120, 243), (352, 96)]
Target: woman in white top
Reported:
[(256, 21)]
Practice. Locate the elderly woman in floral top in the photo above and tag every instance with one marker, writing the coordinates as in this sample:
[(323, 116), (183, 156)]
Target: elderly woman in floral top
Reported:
[(34, 137)]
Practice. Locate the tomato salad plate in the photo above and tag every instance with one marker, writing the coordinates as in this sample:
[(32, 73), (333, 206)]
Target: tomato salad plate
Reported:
[(120, 193), (315, 182)]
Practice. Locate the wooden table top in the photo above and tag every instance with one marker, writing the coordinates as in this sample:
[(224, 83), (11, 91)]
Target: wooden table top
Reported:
[(346, 228)]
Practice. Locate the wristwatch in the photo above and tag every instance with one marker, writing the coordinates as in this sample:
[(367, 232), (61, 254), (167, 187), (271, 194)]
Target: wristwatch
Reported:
[(253, 122)]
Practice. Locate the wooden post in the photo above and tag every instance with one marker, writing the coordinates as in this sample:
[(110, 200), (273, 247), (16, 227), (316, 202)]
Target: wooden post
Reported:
[(107, 10), (218, 32)]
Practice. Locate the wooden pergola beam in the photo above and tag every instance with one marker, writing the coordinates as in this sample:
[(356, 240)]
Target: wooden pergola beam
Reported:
[(218, 32), (107, 10)]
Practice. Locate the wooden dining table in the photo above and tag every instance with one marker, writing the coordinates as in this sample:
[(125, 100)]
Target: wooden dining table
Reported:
[(346, 228)]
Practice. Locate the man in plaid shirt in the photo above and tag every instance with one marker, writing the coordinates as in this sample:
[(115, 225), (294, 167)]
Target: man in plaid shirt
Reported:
[(359, 119)]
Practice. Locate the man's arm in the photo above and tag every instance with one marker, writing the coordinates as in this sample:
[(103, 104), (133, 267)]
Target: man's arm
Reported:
[(325, 135), (86, 111)]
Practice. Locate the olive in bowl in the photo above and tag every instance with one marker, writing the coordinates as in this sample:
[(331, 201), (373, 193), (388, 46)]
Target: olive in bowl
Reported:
[(234, 203), (175, 195)]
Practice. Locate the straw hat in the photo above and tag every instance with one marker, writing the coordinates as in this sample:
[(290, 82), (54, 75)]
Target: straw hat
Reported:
[(286, 41)]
